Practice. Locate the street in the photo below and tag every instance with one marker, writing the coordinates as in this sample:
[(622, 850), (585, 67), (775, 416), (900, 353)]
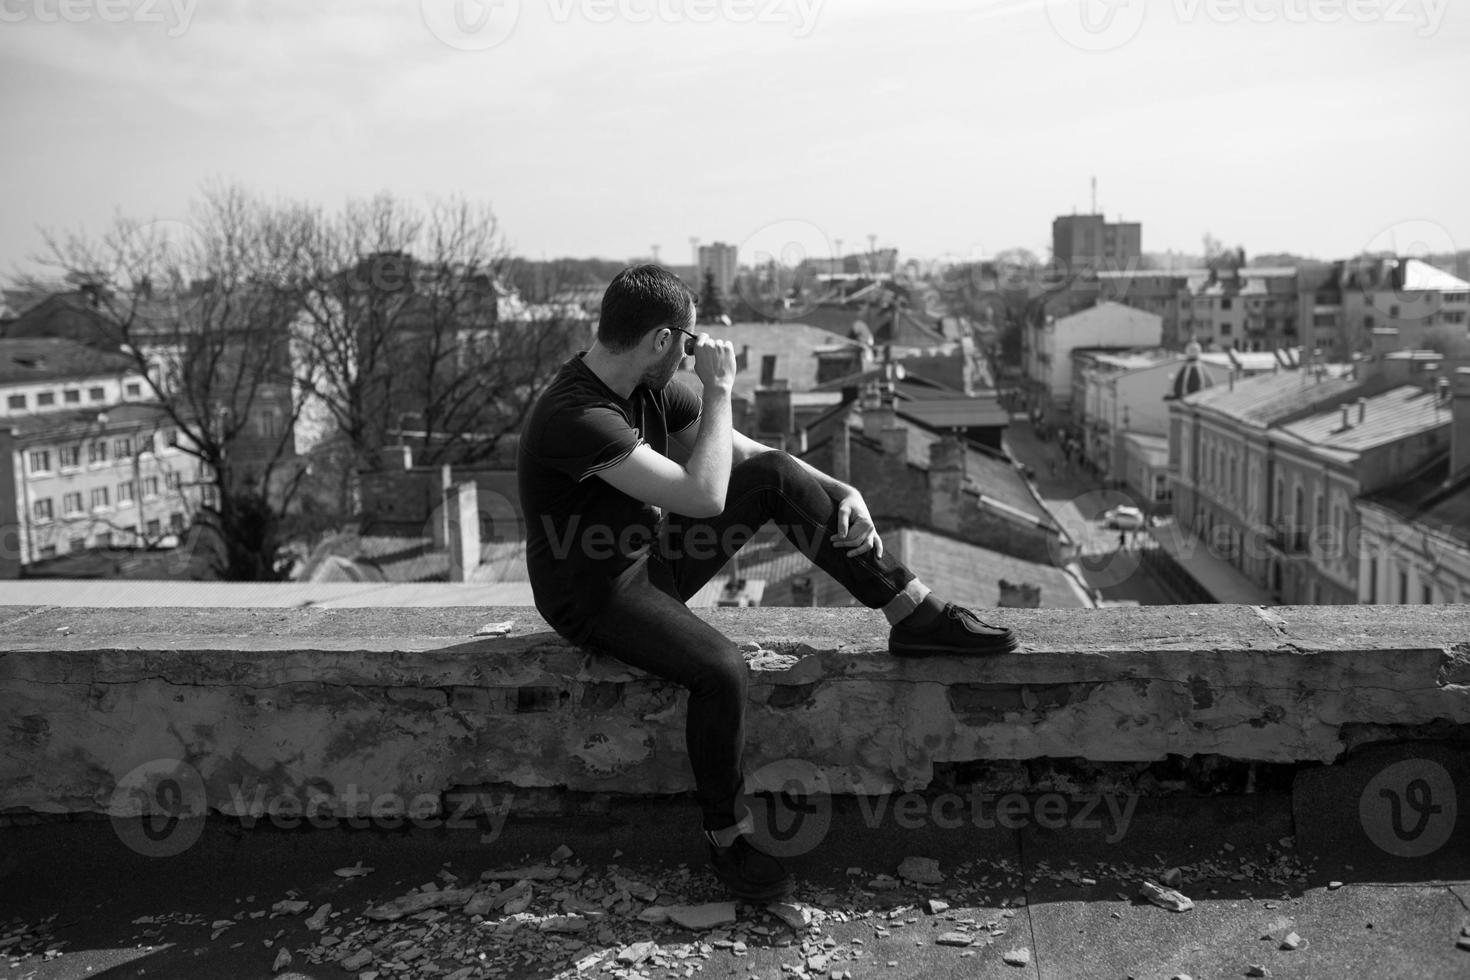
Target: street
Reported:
[(1110, 564)]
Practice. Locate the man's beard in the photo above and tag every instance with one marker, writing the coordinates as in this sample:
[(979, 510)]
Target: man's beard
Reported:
[(657, 377)]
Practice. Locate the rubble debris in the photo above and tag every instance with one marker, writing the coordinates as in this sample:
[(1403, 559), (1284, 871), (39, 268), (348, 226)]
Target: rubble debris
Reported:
[(283, 960), (1291, 941), (356, 871), (935, 905), (954, 939), (920, 871), (1165, 898), (318, 920), (706, 916), (419, 901), (1017, 957)]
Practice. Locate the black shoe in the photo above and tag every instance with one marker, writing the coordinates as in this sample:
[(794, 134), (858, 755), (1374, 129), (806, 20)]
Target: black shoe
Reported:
[(750, 874), (955, 631)]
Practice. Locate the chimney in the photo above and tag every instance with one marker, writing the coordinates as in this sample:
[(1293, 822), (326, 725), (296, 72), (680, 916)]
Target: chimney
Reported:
[(1362, 410), (946, 482), (773, 411), (1019, 595), (896, 441), (878, 415), (1460, 427), (1347, 417)]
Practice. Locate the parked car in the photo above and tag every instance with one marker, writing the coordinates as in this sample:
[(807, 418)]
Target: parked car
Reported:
[(1124, 518)]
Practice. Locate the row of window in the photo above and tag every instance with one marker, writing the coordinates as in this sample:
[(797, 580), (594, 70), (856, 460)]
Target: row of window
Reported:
[(70, 457), (70, 396), (153, 530), (102, 497)]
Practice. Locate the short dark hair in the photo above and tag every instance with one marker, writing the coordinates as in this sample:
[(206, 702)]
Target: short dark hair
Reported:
[(640, 299)]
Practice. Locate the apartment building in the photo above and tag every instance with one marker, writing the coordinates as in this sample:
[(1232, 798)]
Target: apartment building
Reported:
[(1426, 305), (721, 260), (113, 477), (1047, 348), (1267, 471), (1414, 545), (1091, 242), (45, 375)]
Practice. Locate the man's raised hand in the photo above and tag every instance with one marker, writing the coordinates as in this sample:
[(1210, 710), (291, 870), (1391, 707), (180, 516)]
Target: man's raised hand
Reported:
[(714, 361)]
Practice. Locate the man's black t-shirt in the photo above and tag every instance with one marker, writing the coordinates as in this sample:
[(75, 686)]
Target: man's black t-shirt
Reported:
[(582, 532)]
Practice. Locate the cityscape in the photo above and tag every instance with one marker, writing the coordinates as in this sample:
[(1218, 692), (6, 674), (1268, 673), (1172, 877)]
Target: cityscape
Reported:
[(1076, 394), (1102, 426)]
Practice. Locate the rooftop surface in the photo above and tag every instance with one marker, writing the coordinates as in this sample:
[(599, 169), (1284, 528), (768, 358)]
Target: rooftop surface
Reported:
[(1266, 399), (1428, 498), (31, 360), (1387, 417)]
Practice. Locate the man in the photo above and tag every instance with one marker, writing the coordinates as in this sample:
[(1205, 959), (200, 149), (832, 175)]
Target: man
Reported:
[(636, 492)]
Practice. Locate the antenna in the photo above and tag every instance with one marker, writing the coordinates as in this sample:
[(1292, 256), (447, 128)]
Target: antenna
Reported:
[(655, 254), (1094, 195), (694, 249)]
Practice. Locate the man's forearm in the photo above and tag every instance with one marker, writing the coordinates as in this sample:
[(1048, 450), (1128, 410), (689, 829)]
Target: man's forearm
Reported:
[(709, 461)]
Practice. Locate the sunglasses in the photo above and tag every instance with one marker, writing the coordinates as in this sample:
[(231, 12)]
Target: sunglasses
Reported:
[(688, 344)]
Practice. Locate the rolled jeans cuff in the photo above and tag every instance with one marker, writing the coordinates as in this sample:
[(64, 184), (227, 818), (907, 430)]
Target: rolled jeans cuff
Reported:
[(905, 602), (726, 836)]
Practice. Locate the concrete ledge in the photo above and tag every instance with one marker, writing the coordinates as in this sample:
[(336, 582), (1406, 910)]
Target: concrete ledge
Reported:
[(325, 703)]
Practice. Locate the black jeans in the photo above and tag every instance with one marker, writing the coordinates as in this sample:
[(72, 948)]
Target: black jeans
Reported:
[(646, 623)]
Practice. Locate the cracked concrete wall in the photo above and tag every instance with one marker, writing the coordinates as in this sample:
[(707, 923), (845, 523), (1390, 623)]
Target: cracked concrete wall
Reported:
[(359, 704)]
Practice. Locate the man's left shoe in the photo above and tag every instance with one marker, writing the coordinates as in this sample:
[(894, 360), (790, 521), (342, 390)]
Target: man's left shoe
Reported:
[(956, 631), (748, 872)]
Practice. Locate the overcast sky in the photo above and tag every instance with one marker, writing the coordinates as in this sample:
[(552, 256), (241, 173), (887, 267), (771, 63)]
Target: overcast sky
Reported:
[(602, 127)]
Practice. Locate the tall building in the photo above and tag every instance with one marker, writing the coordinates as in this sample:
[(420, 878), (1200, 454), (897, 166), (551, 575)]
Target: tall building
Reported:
[(720, 259), (1091, 242)]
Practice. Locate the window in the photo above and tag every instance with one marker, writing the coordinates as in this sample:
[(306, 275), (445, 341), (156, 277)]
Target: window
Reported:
[(171, 480), (1427, 595), (768, 369), (155, 528), (209, 495), (150, 487), (46, 399), (170, 437), (71, 503), (134, 389), (96, 394), (40, 461), (70, 456), (1226, 330), (41, 509), (17, 403), (76, 544), (122, 448), (1226, 304), (1393, 311), (104, 540), (72, 396), (176, 522), (125, 493), (1373, 581), (1403, 588), (97, 451), (100, 498), (48, 551)]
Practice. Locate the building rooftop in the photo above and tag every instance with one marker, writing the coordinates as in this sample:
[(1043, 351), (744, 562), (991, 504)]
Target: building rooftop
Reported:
[(1427, 499), (1387, 417), (1266, 399), (1420, 276), (58, 426), (793, 345), (29, 360)]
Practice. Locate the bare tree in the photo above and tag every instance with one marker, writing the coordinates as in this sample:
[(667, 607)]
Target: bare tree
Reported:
[(407, 335), (202, 310)]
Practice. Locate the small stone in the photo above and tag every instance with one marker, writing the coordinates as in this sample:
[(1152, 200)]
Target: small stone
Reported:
[(288, 906), (420, 901), (1165, 898), (636, 953), (283, 960), (1173, 878), (706, 916), (538, 872), (1017, 957), (954, 939), (481, 903), (318, 920), (1333, 886), (1228, 847), (1463, 943), (356, 871), (795, 916), (654, 915), (1257, 970), (1292, 941), (357, 960), (563, 923), (935, 905), (1089, 881), (920, 870), (817, 963), (561, 855)]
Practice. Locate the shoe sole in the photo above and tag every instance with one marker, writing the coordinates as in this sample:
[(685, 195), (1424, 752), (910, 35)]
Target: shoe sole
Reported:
[(1009, 645)]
